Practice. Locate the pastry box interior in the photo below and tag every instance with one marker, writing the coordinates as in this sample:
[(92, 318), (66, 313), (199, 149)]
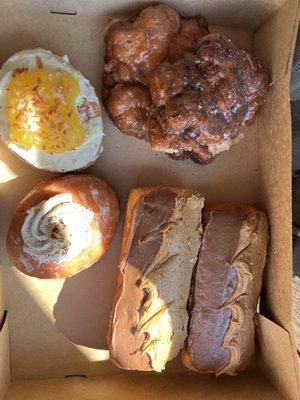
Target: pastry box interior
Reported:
[(53, 333)]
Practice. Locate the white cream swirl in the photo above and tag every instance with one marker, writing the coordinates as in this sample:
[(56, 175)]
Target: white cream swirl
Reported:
[(57, 229)]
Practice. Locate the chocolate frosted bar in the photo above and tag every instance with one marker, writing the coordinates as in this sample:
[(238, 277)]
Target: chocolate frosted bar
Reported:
[(225, 289), (161, 239)]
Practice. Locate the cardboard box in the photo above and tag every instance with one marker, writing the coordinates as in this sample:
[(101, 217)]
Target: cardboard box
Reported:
[(53, 341)]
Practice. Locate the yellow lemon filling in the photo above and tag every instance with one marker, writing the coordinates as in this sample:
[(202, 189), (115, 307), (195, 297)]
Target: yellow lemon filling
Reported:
[(41, 110)]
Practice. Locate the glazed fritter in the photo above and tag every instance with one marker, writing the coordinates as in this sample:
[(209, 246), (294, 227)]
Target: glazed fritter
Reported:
[(187, 92)]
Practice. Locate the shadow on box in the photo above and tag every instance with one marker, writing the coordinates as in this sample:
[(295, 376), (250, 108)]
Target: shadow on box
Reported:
[(84, 305), (46, 325), (86, 298), (35, 309)]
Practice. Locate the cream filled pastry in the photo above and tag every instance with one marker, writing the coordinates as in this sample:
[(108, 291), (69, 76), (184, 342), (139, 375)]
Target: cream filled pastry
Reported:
[(49, 112), (57, 229), (160, 242), (225, 289), (62, 226)]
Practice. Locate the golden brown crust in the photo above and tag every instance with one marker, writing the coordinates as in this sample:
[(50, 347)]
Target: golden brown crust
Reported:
[(248, 261), (186, 360), (79, 185)]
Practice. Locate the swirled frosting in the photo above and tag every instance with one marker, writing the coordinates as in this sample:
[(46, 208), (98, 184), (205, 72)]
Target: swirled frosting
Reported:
[(57, 229), (149, 323), (163, 316)]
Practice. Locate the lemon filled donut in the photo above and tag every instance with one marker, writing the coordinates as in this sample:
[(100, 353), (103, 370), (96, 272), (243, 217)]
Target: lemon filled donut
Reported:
[(50, 115), (63, 225)]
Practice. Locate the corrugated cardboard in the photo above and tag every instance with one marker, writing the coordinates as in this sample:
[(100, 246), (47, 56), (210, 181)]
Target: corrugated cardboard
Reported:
[(274, 145), (279, 32), (58, 328)]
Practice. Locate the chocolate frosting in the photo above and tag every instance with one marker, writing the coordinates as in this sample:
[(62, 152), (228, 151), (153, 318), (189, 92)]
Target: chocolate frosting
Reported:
[(225, 289), (150, 215), (215, 281), (149, 321)]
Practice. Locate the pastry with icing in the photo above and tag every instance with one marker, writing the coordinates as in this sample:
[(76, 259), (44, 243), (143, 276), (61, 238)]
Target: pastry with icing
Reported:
[(160, 242), (50, 115), (225, 289), (63, 225)]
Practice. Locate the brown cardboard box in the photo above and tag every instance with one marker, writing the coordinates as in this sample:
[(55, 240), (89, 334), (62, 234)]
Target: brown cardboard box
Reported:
[(56, 330)]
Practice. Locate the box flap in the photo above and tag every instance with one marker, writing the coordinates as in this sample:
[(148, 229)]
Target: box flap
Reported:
[(249, 386), (276, 357), (4, 357), (274, 41), (274, 138)]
